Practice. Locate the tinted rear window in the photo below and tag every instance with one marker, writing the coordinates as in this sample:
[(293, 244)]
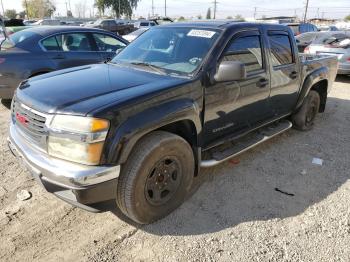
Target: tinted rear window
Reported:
[(17, 38), (281, 49)]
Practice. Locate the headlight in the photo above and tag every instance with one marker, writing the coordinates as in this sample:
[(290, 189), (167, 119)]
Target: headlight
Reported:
[(77, 139)]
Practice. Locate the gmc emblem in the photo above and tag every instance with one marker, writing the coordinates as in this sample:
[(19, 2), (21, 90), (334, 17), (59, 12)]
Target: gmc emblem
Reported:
[(22, 119)]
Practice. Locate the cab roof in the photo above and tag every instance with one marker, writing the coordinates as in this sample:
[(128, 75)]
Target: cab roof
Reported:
[(222, 24)]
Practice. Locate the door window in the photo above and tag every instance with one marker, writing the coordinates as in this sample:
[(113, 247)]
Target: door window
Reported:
[(246, 49), (281, 49), (51, 44), (106, 43), (75, 42)]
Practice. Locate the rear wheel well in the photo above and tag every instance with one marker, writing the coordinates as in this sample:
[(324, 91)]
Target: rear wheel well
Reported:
[(321, 88)]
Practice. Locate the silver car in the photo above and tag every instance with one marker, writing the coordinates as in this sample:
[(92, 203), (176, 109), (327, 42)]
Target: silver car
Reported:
[(333, 43)]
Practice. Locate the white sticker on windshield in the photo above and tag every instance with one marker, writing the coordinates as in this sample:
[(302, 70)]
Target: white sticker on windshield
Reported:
[(201, 33)]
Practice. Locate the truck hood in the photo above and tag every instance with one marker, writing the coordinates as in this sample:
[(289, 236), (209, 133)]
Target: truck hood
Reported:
[(80, 90)]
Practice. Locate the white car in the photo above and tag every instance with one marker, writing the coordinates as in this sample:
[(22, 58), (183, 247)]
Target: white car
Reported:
[(335, 43)]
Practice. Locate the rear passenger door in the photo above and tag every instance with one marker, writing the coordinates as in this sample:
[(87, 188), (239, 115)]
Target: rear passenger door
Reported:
[(71, 49), (285, 74)]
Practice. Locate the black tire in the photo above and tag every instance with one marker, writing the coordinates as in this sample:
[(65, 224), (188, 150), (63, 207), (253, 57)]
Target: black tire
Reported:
[(6, 103), (305, 117), (142, 192)]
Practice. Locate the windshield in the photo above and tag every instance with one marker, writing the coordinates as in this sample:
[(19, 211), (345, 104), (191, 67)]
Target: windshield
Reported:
[(173, 50)]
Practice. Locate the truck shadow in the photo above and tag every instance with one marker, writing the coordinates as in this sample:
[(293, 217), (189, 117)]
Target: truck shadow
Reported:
[(343, 79), (276, 180)]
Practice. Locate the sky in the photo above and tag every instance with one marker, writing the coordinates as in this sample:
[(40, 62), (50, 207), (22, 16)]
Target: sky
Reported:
[(192, 8)]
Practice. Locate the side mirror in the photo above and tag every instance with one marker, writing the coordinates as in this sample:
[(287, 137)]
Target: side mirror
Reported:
[(230, 71)]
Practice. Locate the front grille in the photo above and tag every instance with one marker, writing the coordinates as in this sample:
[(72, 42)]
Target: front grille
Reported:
[(30, 122)]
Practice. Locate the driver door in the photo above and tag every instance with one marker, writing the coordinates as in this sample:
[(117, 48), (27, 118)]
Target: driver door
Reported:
[(235, 107)]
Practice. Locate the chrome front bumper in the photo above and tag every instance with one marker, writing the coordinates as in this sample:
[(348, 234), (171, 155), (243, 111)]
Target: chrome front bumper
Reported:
[(62, 173)]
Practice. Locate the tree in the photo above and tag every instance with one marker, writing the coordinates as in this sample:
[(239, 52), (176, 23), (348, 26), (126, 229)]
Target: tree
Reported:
[(181, 18), (199, 17), (10, 13), (347, 18), (209, 13), (229, 17), (39, 8), (22, 14), (239, 17), (80, 9), (69, 13), (120, 7)]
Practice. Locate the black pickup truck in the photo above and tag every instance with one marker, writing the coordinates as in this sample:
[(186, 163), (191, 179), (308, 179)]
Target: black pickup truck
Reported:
[(183, 96)]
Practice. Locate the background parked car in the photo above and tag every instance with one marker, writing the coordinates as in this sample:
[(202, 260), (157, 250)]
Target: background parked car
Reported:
[(305, 39), (47, 22), (44, 49), (112, 26), (299, 28), (144, 23), (335, 44), (328, 28), (133, 35)]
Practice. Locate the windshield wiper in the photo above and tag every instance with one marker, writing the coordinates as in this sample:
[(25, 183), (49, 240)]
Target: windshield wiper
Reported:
[(153, 67)]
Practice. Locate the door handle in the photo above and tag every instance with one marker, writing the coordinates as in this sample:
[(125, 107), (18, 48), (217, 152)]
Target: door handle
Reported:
[(263, 82), (59, 56), (293, 75)]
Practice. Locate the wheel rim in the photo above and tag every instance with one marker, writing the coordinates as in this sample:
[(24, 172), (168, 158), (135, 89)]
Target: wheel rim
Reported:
[(163, 181)]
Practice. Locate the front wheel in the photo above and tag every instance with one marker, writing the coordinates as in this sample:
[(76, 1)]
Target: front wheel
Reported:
[(305, 117), (156, 178)]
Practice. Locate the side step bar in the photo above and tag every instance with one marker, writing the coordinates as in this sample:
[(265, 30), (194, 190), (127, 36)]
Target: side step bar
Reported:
[(248, 142)]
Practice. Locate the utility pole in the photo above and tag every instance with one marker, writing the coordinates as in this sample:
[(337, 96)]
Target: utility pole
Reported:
[(118, 9), (255, 8), (165, 8), (152, 8), (66, 8), (215, 7), (318, 13), (306, 7), (3, 10)]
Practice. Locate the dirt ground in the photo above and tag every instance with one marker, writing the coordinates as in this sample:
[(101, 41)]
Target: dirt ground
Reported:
[(236, 215)]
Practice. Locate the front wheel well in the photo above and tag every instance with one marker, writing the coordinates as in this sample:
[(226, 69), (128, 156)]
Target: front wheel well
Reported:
[(321, 88), (187, 130), (183, 128)]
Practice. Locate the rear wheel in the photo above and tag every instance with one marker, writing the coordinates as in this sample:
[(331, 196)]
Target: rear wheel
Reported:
[(156, 178), (305, 117)]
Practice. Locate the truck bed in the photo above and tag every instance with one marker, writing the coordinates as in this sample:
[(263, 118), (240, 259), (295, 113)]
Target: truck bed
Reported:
[(310, 63)]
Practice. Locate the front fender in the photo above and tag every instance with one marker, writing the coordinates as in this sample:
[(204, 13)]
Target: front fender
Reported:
[(135, 127), (312, 79)]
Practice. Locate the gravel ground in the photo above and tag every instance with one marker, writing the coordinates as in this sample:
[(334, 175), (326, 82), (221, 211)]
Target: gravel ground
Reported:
[(235, 215)]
